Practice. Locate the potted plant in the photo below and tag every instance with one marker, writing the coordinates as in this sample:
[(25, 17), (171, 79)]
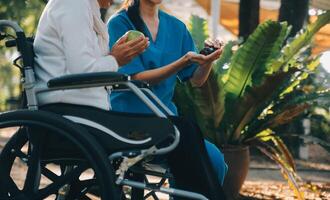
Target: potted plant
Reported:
[(251, 91)]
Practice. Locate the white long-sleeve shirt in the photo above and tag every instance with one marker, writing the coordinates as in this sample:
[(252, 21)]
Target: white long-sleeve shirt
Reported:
[(66, 43)]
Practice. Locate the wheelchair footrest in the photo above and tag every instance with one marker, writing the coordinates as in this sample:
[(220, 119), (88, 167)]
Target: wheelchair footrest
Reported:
[(169, 191), (140, 170)]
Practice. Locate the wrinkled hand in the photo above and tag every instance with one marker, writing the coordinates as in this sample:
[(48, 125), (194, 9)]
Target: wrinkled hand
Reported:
[(202, 60), (124, 51)]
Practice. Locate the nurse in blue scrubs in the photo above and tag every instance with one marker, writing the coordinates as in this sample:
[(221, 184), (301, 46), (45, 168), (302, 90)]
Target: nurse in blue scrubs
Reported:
[(170, 56)]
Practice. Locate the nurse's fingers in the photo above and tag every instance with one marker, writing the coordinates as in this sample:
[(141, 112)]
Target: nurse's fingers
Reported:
[(198, 58), (202, 59), (215, 55)]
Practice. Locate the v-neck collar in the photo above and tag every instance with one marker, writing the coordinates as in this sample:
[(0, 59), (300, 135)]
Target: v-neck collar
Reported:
[(159, 31)]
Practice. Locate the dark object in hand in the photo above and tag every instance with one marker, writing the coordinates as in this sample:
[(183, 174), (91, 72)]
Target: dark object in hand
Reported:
[(208, 50)]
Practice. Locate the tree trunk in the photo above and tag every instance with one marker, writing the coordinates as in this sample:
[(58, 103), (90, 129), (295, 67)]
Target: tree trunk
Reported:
[(248, 17), (295, 12)]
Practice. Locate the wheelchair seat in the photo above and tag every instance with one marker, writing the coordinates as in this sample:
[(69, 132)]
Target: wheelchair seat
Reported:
[(117, 131)]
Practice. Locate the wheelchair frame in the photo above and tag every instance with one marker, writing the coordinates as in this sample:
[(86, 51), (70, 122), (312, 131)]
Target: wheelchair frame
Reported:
[(115, 81)]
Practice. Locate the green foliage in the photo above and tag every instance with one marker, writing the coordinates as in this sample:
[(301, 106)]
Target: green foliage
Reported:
[(26, 13), (252, 57), (199, 33), (246, 70), (301, 41), (255, 89), (9, 83), (278, 152), (224, 60), (248, 88), (207, 101)]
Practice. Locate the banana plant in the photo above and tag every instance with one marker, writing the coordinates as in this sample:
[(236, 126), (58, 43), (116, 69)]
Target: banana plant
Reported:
[(254, 89)]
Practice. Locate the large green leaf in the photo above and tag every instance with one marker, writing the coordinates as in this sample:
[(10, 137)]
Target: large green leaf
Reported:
[(209, 105), (299, 97), (285, 111), (280, 94), (254, 101), (253, 56), (183, 100), (293, 48), (270, 92), (221, 65), (287, 115)]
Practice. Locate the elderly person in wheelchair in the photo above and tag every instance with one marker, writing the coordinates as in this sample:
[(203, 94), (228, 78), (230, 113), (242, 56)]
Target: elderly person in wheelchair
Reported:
[(66, 129)]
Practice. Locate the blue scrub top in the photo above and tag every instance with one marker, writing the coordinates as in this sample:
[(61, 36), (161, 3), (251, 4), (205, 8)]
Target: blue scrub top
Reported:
[(173, 41)]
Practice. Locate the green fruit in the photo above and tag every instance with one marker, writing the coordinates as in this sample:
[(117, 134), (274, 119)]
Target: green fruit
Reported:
[(131, 35)]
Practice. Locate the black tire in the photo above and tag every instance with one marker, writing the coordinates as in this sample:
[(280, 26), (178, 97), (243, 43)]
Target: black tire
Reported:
[(90, 155)]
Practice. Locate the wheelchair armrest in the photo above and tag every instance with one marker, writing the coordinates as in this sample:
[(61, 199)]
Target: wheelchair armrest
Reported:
[(139, 84), (88, 79)]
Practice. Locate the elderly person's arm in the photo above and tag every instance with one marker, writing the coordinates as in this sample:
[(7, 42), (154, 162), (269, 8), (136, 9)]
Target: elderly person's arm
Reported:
[(76, 26)]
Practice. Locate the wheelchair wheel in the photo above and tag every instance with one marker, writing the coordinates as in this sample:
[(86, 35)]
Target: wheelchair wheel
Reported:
[(51, 157)]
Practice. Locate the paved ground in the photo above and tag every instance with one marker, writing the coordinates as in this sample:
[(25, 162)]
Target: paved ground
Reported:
[(263, 190), (265, 181)]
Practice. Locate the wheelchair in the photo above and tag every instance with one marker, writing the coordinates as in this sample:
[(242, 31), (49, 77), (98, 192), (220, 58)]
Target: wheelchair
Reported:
[(76, 156)]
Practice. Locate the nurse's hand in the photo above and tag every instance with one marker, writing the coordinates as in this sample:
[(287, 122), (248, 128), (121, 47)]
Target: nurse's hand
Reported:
[(124, 51), (205, 65), (193, 57)]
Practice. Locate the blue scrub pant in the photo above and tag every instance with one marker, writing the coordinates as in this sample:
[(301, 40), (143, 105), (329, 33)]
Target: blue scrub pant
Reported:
[(217, 160)]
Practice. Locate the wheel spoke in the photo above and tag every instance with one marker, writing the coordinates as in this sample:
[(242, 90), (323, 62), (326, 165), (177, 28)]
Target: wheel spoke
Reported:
[(153, 194), (80, 188), (33, 174), (85, 198), (87, 183), (32, 138), (49, 174), (61, 181), (8, 188), (22, 156), (12, 187)]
